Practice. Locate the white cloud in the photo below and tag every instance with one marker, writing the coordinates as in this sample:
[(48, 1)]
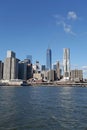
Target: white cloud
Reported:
[(72, 15), (66, 27), (64, 22), (84, 68), (58, 17)]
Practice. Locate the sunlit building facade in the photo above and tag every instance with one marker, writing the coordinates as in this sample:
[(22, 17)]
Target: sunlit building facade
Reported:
[(66, 63), (10, 66)]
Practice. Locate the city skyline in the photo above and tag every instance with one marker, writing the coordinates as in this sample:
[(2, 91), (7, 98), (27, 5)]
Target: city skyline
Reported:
[(13, 69), (28, 27), (63, 64)]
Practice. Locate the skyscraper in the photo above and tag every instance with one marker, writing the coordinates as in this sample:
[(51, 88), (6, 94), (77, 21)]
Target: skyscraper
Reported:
[(29, 57), (10, 54), (10, 66), (49, 59), (58, 70), (66, 63), (22, 70), (1, 70), (25, 69)]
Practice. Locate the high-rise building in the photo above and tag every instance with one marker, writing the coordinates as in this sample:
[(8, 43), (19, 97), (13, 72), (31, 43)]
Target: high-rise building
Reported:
[(66, 63), (49, 59), (1, 70), (10, 54), (10, 66), (22, 70), (50, 75), (29, 71), (76, 75), (58, 70), (29, 57), (43, 68), (25, 69)]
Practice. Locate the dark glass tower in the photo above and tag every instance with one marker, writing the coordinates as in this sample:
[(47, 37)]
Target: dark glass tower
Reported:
[(49, 59)]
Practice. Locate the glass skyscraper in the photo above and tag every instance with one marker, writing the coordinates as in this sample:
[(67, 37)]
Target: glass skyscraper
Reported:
[(49, 59)]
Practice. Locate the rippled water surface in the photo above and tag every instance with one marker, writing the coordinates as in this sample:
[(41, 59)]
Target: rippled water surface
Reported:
[(43, 108)]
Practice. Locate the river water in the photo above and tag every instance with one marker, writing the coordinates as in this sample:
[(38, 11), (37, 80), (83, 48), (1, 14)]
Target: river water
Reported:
[(43, 108)]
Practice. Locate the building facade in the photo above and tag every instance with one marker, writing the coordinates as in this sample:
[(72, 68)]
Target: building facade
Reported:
[(29, 57), (37, 67), (10, 54), (10, 66), (43, 68), (49, 59), (37, 76), (66, 63), (25, 70), (50, 75), (29, 71), (1, 70), (22, 70), (58, 70), (76, 75)]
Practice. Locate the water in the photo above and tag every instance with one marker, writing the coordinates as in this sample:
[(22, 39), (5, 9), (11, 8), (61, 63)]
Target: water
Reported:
[(43, 108)]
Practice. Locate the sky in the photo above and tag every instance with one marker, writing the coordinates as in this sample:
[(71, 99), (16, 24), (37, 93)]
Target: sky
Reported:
[(29, 27)]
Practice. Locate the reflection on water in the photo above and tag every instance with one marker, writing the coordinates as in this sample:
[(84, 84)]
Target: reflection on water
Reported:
[(43, 108)]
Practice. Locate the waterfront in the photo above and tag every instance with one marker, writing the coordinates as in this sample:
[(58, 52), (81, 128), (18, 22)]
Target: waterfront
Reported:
[(43, 108)]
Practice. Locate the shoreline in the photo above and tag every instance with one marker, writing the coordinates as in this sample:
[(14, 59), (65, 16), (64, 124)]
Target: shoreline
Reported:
[(60, 84), (57, 84)]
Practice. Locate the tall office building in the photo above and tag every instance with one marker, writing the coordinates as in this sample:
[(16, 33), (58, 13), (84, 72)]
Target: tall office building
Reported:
[(10, 54), (50, 75), (22, 70), (25, 69), (1, 70), (66, 63), (43, 68), (49, 59), (58, 70), (29, 57), (29, 71), (76, 75), (10, 66)]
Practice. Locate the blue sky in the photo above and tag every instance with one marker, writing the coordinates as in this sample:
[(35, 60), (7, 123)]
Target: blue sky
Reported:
[(28, 27)]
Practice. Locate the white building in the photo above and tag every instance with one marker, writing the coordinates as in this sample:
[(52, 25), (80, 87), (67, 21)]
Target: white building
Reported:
[(66, 63), (10, 54), (37, 67)]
